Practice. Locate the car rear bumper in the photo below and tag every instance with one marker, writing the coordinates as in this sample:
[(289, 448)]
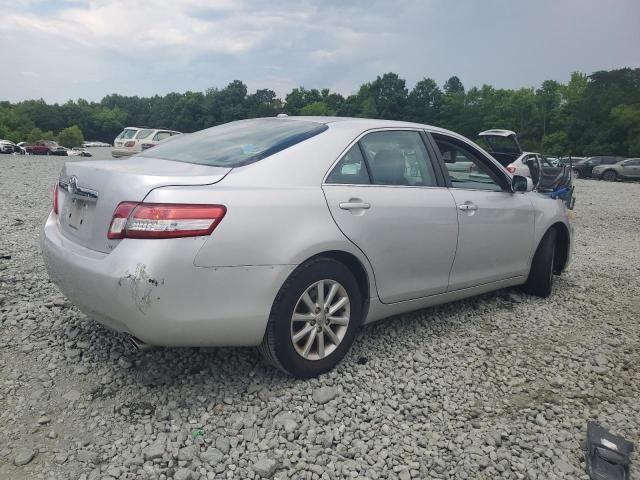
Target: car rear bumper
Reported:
[(123, 152), (152, 290)]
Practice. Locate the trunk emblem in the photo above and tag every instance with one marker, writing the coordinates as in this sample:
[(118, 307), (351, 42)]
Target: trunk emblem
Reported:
[(70, 185)]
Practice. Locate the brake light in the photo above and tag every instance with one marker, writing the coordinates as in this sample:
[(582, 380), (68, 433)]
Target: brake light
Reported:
[(511, 169), (55, 198), (160, 220), (130, 143)]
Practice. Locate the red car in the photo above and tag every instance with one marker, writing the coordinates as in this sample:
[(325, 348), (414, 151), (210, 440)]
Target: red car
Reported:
[(45, 147)]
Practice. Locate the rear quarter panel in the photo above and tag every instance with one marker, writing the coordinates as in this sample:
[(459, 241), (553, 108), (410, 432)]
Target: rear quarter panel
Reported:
[(276, 211)]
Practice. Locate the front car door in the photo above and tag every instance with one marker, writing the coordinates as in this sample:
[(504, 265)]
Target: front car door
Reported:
[(390, 200), (496, 226)]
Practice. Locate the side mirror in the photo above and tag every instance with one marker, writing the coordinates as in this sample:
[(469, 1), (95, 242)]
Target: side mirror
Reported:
[(522, 184)]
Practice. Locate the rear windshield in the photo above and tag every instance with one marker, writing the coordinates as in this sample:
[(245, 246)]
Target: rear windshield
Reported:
[(502, 144), (237, 143), (127, 133)]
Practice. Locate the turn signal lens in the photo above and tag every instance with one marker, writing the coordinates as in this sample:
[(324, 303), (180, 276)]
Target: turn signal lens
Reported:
[(511, 169), (161, 220)]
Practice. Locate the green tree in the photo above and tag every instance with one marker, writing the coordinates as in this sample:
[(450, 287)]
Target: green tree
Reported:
[(71, 137), (317, 108)]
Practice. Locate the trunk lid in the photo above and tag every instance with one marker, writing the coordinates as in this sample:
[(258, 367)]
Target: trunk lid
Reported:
[(503, 144), (89, 192)]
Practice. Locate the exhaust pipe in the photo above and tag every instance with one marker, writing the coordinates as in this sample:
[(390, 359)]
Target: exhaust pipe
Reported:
[(136, 344)]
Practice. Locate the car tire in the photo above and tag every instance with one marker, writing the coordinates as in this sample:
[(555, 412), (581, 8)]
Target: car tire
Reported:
[(577, 173), (540, 281), (609, 175), (285, 339)]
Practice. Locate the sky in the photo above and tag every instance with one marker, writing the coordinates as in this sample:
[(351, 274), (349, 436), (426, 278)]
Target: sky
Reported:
[(68, 49)]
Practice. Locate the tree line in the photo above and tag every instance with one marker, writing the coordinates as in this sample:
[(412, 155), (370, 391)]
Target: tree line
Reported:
[(593, 114)]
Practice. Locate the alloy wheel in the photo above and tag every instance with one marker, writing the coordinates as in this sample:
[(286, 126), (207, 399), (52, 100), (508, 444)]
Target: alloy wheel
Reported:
[(320, 319)]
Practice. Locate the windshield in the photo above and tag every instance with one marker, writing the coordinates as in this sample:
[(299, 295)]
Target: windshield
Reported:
[(237, 143)]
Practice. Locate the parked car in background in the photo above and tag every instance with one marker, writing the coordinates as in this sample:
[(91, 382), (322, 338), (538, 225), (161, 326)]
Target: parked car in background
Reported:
[(583, 169), (570, 160), (8, 147), (134, 140), (290, 233), (506, 149), (45, 147), (624, 169), (78, 152)]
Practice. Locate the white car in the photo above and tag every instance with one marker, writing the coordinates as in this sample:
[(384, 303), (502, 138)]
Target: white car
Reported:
[(7, 146), (507, 150), (133, 140)]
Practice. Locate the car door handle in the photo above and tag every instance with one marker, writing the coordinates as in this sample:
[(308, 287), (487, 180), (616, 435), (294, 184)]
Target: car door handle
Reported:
[(468, 206), (353, 205)]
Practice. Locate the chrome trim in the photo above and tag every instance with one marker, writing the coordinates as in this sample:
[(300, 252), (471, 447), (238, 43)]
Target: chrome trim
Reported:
[(70, 185)]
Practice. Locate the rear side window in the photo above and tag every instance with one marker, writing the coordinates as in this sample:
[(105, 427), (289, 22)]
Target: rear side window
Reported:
[(161, 136), (142, 134), (237, 143), (398, 158), (351, 169)]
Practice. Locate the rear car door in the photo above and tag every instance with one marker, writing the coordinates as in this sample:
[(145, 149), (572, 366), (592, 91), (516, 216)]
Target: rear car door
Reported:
[(630, 168), (386, 196), (496, 226)]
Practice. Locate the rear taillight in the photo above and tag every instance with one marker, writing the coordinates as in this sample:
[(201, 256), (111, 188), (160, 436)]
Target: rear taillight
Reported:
[(511, 169), (55, 199), (160, 220), (130, 143)]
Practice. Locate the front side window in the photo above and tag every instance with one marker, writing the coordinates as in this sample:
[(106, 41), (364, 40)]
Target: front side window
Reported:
[(237, 143), (398, 158), (351, 169), (466, 168)]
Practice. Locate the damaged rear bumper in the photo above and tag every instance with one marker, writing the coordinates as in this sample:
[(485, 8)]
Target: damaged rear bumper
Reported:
[(152, 290)]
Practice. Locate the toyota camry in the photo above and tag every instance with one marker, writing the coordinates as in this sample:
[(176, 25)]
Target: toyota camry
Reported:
[(290, 233)]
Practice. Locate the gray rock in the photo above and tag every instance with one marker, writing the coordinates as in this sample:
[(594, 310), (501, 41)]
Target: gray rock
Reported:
[(87, 456), (540, 420), (557, 382), (22, 456), (514, 297), (155, 450), (600, 370), (420, 357), (265, 467), (222, 444), (323, 395), (187, 454), (72, 396), (212, 456), (323, 417), (183, 474)]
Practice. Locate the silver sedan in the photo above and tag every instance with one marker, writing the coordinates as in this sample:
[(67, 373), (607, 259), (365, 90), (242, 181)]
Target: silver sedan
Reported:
[(290, 233)]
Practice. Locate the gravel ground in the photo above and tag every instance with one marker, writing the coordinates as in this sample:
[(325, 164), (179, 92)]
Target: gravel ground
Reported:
[(499, 386)]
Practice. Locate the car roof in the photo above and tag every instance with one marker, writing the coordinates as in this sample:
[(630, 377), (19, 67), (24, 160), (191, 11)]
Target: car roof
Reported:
[(372, 123)]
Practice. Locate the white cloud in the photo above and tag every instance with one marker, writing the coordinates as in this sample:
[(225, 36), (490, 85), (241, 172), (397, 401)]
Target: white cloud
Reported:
[(68, 48)]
